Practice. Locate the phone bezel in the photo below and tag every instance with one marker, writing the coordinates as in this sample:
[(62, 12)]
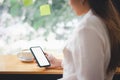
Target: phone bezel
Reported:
[(36, 58)]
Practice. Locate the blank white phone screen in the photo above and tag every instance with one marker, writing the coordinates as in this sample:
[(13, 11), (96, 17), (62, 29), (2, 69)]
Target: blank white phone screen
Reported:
[(40, 56)]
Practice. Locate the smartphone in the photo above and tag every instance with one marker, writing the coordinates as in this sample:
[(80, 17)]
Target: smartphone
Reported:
[(39, 56)]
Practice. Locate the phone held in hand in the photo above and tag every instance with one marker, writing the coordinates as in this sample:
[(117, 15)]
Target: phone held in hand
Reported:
[(39, 56)]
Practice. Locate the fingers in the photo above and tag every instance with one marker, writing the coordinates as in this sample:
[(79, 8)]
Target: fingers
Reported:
[(46, 53), (54, 67), (51, 57)]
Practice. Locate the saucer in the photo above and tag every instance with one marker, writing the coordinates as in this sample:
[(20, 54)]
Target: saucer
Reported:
[(25, 59), (25, 56)]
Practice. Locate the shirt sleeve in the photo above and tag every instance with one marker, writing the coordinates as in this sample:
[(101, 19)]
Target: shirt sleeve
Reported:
[(88, 55)]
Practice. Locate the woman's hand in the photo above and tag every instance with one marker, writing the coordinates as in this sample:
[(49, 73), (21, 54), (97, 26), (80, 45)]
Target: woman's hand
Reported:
[(55, 63)]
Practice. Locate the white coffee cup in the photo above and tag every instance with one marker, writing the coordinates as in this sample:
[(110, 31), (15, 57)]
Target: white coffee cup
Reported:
[(25, 55)]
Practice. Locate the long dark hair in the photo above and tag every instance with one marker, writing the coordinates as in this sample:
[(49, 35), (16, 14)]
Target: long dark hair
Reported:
[(108, 12), (117, 4)]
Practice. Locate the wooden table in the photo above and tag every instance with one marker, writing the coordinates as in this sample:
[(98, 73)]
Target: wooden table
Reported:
[(12, 65), (11, 68)]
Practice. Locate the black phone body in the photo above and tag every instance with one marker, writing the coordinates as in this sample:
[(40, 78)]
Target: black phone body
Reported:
[(39, 56)]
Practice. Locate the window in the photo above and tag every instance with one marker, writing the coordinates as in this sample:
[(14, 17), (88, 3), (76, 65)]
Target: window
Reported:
[(22, 25)]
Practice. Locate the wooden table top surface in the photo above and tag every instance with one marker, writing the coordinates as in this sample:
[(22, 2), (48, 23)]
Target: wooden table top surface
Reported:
[(12, 65)]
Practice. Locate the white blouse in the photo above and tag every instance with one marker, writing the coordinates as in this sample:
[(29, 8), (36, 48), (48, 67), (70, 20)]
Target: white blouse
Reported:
[(87, 53)]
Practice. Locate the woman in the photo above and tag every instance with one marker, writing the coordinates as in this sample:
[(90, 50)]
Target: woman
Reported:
[(92, 52)]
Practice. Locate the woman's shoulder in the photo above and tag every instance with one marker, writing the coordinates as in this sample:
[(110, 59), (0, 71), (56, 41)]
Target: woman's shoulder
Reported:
[(91, 22)]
